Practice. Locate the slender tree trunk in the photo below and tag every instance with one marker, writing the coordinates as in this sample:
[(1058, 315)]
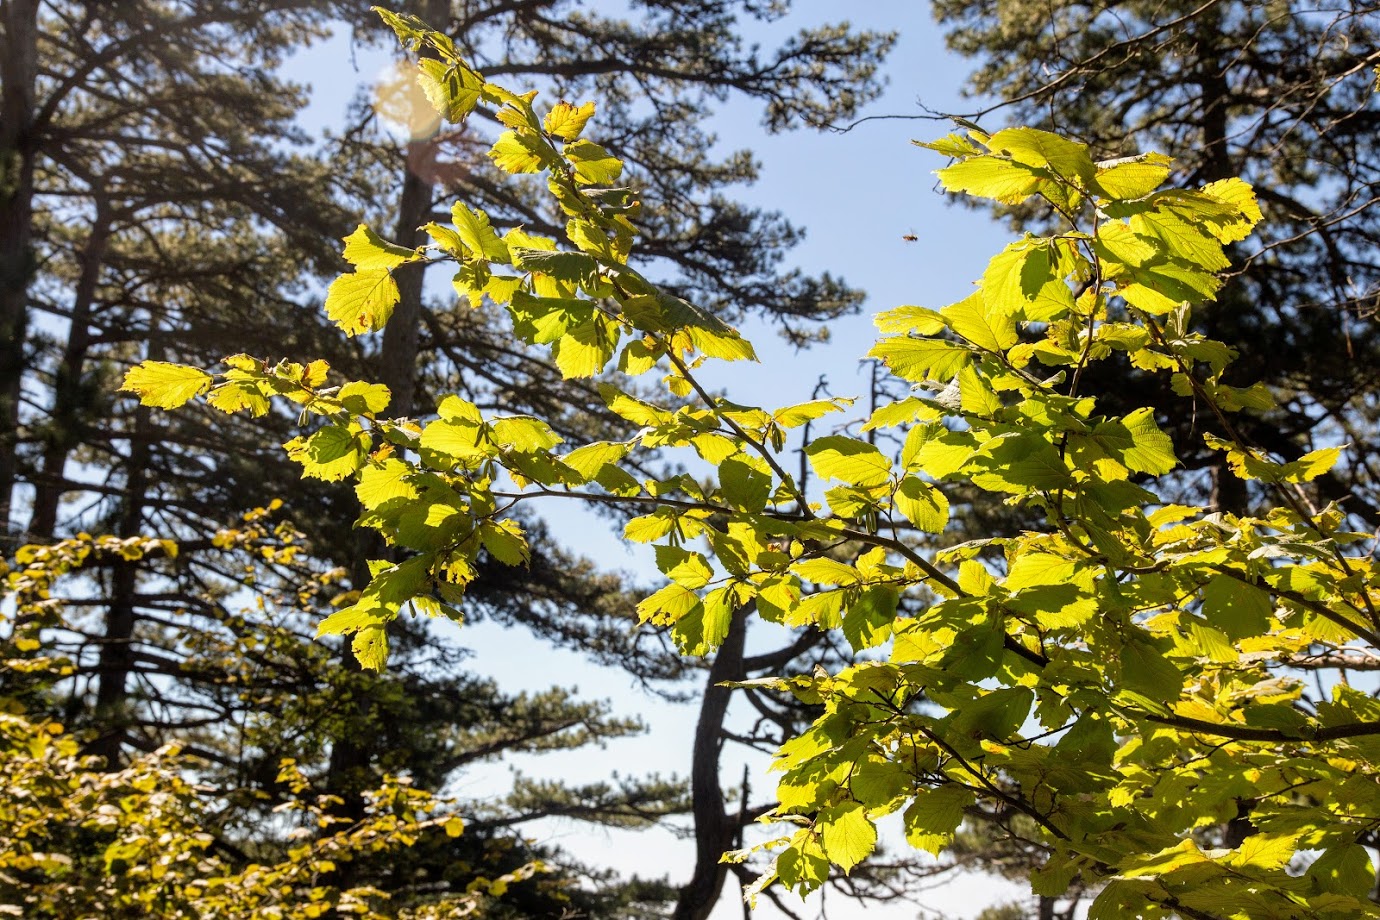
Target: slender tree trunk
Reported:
[(348, 769), (18, 68), (347, 773), (1228, 492), (116, 661), (715, 830), (401, 337), (69, 400), (398, 354)]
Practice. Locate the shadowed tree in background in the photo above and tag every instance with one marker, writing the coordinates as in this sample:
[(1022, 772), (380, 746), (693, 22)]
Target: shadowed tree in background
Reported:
[(1281, 94), (157, 205), (170, 211), (659, 71)]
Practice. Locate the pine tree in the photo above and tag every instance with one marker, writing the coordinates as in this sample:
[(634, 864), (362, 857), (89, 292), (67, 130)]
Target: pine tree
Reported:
[(661, 75), (1280, 94), (159, 211), (170, 216)]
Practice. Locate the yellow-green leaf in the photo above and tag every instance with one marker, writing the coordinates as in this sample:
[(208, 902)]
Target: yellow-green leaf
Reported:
[(453, 90), (992, 177), (918, 360), (478, 234), (362, 301), (526, 434), (370, 646), (1131, 177), (852, 461), (505, 541), (332, 453), (923, 505), (935, 814), (566, 121), (683, 566), (366, 250), (519, 153), (1236, 608), (593, 164), (1312, 464), (1043, 149), (349, 620), (994, 330), (364, 398), (383, 482), (164, 385), (1239, 195), (1265, 851), (848, 836)]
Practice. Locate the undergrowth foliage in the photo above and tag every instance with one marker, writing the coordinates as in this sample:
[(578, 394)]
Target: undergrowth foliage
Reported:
[(148, 840), (1123, 679)]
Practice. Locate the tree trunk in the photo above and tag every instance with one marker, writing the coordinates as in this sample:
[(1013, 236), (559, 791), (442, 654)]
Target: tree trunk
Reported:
[(69, 402), (347, 773), (398, 354), (18, 68), (1228, 492), (715, 830), (116, 660)]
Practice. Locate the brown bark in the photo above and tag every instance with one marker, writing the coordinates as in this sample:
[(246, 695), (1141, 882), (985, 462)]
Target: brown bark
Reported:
[(715, 830), (66, 423), (18, 69), (348, 773), (402, 335), (1228, 492), (116, 661)]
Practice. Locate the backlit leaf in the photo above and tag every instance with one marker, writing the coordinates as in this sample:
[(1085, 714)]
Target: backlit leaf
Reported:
[(525, 433), (935, 814), (566, 121), (519, 153), (854, 462), (478, 234), (370, 646), (1034, 147), (1132, 177), (453, 90), (1236, 608), (384, 482), (164, 385), (992, 177), (923, 505), (593, 164), (366, 251), (918, 360), (683, 566), (505, 542), (994, 330), (848, 836), (362, 301)]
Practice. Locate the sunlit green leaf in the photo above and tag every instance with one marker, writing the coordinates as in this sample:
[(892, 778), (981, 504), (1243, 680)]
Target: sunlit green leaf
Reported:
[(362, 301), (164, 385), (848, 836), (854, 462)]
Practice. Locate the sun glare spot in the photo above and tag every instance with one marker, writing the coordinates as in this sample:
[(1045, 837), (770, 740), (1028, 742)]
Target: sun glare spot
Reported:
[(402, 105)]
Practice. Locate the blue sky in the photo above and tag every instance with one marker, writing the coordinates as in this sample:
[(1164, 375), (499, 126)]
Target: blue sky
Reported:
[(858, 194)]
